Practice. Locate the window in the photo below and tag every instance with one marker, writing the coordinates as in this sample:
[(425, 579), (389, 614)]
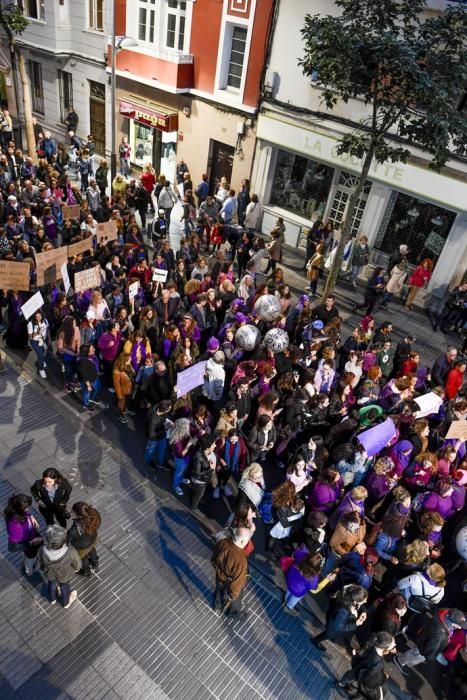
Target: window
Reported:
[(146, 21), (34, 9), (65, 82), (301, 185), (96, 15), (176, 15), (37, 93), (338, 210), (237, 57)]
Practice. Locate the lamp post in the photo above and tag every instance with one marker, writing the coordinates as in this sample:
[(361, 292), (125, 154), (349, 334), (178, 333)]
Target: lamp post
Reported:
[(118, 42)]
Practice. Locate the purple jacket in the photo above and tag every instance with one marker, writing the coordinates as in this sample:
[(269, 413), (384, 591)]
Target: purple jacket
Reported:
[(323, 497), (20, 531), (297, 584), (378, 486), (439, 504), (347, 505), (110, 353)]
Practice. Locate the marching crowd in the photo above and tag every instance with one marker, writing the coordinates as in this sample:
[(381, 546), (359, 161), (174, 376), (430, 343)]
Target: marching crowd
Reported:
[(281, 422)]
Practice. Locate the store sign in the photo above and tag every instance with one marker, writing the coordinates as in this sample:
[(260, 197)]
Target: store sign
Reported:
[(421, 182), (157, 120)]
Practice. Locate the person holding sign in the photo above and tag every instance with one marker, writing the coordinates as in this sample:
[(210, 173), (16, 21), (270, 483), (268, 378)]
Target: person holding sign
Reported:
[(39, 339)]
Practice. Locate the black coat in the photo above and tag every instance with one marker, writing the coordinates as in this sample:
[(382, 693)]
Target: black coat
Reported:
[(369, 669), (159, 388), (201, 468), (61, 497), (433, 637)]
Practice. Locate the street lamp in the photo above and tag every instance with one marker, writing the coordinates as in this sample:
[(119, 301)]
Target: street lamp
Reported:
[(118, 42)]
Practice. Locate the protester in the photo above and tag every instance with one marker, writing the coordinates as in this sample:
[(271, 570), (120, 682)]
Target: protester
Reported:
[(59, 563)]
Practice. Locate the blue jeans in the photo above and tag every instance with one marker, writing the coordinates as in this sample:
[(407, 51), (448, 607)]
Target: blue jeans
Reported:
[(90, 395), (69, 362), (331, 562), (40, 351), (156, 451), (292, 600), (354, 274), (181, 464), (65, 589)]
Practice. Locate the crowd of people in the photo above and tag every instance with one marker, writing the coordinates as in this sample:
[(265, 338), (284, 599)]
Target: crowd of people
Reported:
[(276, 426)]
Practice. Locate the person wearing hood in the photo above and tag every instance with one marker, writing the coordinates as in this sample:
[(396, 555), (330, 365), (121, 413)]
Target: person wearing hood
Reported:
[(214, 378), (60, 563), (401, 456), (433, 638)]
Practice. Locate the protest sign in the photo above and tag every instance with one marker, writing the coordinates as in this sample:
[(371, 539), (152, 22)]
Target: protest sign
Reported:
[(65, 277), (107, 231), (87, 279), (428, 404), (133, 290), (457, 430), (190, 378), (48, 265), (34, 303), (160, 275), (71, 211), (14, 275), (79, 247), (374, 439)]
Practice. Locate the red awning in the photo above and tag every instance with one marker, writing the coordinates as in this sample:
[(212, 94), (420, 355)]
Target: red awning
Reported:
[(156, 117)]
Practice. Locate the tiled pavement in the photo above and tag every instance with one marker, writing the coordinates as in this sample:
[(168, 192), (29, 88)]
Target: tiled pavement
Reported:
[(142, 627)]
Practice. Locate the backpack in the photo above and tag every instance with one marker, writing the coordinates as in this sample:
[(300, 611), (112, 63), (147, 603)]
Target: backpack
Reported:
[(421, 603)]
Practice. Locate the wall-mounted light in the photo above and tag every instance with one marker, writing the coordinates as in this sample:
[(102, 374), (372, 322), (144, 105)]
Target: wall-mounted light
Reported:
[(187, 111)]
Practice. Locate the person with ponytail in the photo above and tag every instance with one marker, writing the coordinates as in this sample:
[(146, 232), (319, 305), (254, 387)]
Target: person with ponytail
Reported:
[(82, 535)]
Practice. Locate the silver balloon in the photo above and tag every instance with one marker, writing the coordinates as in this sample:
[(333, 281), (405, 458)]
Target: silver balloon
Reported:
[(276, 340), (267, 307), (247, 337)]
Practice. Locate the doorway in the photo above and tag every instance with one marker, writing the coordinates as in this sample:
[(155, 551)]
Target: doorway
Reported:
[(97, 115), (221, 162)]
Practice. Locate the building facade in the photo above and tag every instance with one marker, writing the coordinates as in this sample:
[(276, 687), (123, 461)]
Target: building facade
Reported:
[(190, 88), (299, 175), (64, 47)]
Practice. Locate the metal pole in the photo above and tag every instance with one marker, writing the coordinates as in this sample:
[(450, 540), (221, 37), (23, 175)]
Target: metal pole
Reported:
[(113, 137)]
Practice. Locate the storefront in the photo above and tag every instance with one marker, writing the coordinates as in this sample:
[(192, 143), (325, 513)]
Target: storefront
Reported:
[(152, 135), (299, 175)]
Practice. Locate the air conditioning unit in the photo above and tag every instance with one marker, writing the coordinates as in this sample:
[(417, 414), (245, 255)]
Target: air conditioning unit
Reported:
[(270, 83)]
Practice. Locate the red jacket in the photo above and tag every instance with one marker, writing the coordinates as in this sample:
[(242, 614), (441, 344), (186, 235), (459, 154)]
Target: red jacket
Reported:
[(453, 382), (419, 276)]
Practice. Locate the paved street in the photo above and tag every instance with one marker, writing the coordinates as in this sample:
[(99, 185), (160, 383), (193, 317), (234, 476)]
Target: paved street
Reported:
[(143, 626)]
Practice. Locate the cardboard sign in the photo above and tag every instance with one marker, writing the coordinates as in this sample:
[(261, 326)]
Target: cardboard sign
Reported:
[(48, 265), (457, 430), (34, 303), (133, 290), (160, 275), (190, 378), (71, 211), (79, 247), (65, 277), (107, 231), (87, 279), (14, 275)]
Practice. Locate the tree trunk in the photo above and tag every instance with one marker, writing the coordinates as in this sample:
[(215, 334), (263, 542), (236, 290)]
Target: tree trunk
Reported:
[(26, 90), (347, 225)]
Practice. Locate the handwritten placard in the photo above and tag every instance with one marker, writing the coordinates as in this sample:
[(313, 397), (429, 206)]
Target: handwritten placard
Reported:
[(133, 290), (87, 279), (190, 378), (14, 275), (79, 247), (107, 232), (160, 275), (48, 265), (71, 211), (34, 303), (457, 430)]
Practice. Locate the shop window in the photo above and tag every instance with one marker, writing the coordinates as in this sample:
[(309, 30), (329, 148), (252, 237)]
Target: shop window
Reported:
[(96, 15), (423, 227), (176, 17), (301, 185), (34, 9), (338, 210), (146, 21), (143, 144), (65, 83), (37, 90)]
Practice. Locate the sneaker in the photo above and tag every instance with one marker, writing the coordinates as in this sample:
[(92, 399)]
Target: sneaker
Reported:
[(99, 403), (178, 491), (217, 492), (400, 666), (228, 491), (42, 374), (123, 419), (89, 408), (291, 611), (186, 481), (73, 596), (52, 602), (45, 364)]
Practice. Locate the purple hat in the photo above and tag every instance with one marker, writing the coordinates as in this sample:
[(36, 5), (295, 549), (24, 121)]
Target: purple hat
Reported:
[(213, 345), (238, 302), (240, 318)]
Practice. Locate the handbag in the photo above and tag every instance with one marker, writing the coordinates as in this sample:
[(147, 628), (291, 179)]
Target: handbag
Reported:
[(421, 603)]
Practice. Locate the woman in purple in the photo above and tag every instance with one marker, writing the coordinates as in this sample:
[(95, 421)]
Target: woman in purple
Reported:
[(441, 499), (23, 530), (325, 491)]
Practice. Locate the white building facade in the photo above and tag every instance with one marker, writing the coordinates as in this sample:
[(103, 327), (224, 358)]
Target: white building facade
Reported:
[(298, 174), (64, 47)]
